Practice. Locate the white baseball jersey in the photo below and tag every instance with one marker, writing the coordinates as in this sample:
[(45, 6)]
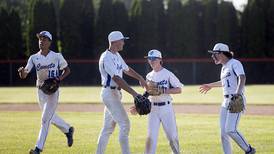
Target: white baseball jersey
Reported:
[(229, 76), (111, 64), (229, 121), (164, 78), (46, 66), (162, 114)]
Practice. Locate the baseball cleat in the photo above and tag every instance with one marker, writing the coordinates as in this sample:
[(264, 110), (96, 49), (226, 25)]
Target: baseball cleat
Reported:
[(35, 151), (69, 136), (251, 150)]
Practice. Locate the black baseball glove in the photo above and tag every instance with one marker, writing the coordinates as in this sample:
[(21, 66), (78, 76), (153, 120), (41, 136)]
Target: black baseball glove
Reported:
[(142, 105), (50, 86)]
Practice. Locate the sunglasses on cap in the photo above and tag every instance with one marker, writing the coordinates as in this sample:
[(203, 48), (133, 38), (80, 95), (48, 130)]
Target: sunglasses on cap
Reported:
[(152, 58)]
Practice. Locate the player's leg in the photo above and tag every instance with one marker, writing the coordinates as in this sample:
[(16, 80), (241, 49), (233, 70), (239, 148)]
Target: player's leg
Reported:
[(170, 127), (231, 129), (112, 101), (224, 136), (56, 120), (47, 114), (153, 130), (107, 130), (60, 123)]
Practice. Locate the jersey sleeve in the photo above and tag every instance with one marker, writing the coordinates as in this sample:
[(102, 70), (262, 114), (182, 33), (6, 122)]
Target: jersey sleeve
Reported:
[(174, 81), (148, 77), (238, 68), (109, 67), (29, 65), (62, 62)]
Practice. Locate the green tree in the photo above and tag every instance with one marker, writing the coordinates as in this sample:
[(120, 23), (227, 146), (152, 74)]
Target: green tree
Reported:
[(253, 30), (10, 35), (269, 8), (210, 24), (148, 26), (175, 33), (77, 25), (42, 17), (120, 16), (104, 25), (227, 25), (193, 28)]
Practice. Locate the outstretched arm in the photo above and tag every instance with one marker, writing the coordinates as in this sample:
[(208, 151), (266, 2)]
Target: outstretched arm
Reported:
[(204, 88), (176, 90), (137, 76), (123, 84)]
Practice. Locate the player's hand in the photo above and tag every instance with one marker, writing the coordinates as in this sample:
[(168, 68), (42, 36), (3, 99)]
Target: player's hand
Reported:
[(143, 83), (21, 71), (204, 88), (132, 110)]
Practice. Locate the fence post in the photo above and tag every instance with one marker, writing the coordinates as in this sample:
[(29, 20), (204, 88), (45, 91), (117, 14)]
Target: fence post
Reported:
[(194, 72), (10, 73)]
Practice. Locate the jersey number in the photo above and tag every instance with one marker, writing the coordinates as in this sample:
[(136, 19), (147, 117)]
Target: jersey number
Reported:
[(227, 81), (52, 74)]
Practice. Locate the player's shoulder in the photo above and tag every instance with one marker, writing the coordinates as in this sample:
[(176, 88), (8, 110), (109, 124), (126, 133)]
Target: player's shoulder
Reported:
[(166, 71), (149, 74), (235, 62), (55, 53), (104, 55)]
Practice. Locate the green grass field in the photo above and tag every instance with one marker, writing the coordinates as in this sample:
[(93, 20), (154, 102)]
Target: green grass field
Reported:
[(256, 94), (197, 134)]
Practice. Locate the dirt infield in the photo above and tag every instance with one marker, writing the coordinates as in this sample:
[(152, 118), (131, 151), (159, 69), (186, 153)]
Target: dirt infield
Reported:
[(185, 108)]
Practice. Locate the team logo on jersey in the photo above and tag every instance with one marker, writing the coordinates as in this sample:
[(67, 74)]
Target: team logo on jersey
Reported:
[(119, 67), (163, 82), (227, 74), (40, 67)]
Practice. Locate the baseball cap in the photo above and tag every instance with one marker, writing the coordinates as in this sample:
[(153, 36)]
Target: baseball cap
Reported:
[(44, 34), (219, 47), (154, 54), (115, 36)]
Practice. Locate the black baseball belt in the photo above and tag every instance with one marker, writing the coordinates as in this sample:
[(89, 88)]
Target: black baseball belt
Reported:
[(113, 87), (161, 103)]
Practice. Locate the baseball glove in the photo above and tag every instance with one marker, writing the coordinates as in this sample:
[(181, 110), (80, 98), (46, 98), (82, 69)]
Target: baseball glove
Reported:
[(236, 104), (142, 105), (154, 89), (50, 86)]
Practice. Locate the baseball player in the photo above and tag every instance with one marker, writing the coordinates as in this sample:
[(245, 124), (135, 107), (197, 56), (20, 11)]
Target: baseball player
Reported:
[(232, 79), (112, 66), (161, 110), (47, 65)]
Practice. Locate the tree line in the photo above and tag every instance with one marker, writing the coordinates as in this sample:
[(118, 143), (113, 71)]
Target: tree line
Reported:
[(186, 28)]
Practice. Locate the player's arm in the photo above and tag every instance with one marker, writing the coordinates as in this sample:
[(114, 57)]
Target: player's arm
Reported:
[(130, 72), (22, 72), (65, 73), (204, 88), (123, 84), (241, 84), (176, 90), (176, 85)]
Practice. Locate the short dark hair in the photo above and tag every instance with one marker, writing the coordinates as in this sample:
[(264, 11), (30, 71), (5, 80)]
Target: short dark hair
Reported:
[(229, 55)]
